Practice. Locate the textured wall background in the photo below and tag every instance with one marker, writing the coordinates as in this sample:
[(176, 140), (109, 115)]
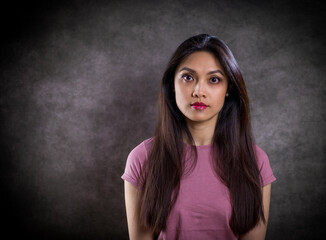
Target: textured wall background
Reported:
[(79, 85)]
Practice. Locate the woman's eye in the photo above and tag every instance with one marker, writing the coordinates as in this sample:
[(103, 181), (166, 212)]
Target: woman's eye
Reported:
[(214, 80), (187, 77)]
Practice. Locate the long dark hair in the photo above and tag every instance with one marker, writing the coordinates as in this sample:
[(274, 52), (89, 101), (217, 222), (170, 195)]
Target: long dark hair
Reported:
[(235, 161)]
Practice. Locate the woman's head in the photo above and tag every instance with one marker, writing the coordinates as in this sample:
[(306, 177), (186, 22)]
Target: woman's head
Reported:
[(237, 98), (200, 86)]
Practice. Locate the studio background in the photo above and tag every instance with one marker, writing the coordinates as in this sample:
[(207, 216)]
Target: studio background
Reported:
[(79, 84)]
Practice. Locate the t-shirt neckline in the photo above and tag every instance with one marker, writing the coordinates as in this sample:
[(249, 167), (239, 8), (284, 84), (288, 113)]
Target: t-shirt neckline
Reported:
[(199, 147)]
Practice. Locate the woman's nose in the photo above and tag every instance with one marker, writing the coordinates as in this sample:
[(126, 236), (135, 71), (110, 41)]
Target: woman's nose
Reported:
[(199, 90)]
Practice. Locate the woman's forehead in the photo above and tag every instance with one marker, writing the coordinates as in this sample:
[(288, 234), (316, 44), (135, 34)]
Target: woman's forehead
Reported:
[(201, 61)]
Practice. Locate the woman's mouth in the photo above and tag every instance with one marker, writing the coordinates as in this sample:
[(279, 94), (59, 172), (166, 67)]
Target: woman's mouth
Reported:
[(199, 105)]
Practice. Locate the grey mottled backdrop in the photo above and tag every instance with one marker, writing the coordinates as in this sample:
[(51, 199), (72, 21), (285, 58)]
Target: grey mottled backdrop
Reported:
[(79, 83)]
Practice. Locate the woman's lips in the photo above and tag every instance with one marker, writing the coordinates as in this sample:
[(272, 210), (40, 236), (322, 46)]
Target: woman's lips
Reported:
[(199, 105)]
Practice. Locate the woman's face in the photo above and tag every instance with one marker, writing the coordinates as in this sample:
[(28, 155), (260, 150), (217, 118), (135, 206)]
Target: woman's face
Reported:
[(200, 87)]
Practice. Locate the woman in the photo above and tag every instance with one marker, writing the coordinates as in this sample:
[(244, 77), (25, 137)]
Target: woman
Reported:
[(201, 176)]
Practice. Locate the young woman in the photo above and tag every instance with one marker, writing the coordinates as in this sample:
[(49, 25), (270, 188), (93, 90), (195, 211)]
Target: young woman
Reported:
[(201, 176)]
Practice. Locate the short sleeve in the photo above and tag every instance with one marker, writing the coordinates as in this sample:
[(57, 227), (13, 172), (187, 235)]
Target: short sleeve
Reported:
[(264, 167), (135, 163)]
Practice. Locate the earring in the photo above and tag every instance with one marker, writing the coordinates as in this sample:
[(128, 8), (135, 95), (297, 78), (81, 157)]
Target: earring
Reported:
[(227, 94)]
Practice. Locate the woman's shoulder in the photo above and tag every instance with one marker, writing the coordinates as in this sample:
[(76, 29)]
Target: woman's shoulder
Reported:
[(264, 166), (143, 147), (141, 151), (260, 153), (135, 162), (148, 143)]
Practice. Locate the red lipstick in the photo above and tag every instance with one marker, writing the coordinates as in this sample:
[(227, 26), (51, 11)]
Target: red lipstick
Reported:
[(199, 106)]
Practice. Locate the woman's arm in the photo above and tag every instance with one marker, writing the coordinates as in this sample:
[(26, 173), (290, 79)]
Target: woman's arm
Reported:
[(136, 231), (259, 232)]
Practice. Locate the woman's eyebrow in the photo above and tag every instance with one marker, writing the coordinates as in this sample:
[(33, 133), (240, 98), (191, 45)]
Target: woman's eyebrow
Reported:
[(188, 69), (193, 71), (216, 71)]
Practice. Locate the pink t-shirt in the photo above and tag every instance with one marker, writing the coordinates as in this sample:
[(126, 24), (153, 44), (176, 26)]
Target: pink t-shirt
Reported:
[(202, 209)]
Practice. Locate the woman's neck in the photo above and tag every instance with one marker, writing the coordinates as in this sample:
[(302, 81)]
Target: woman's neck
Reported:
[(202, 132)]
